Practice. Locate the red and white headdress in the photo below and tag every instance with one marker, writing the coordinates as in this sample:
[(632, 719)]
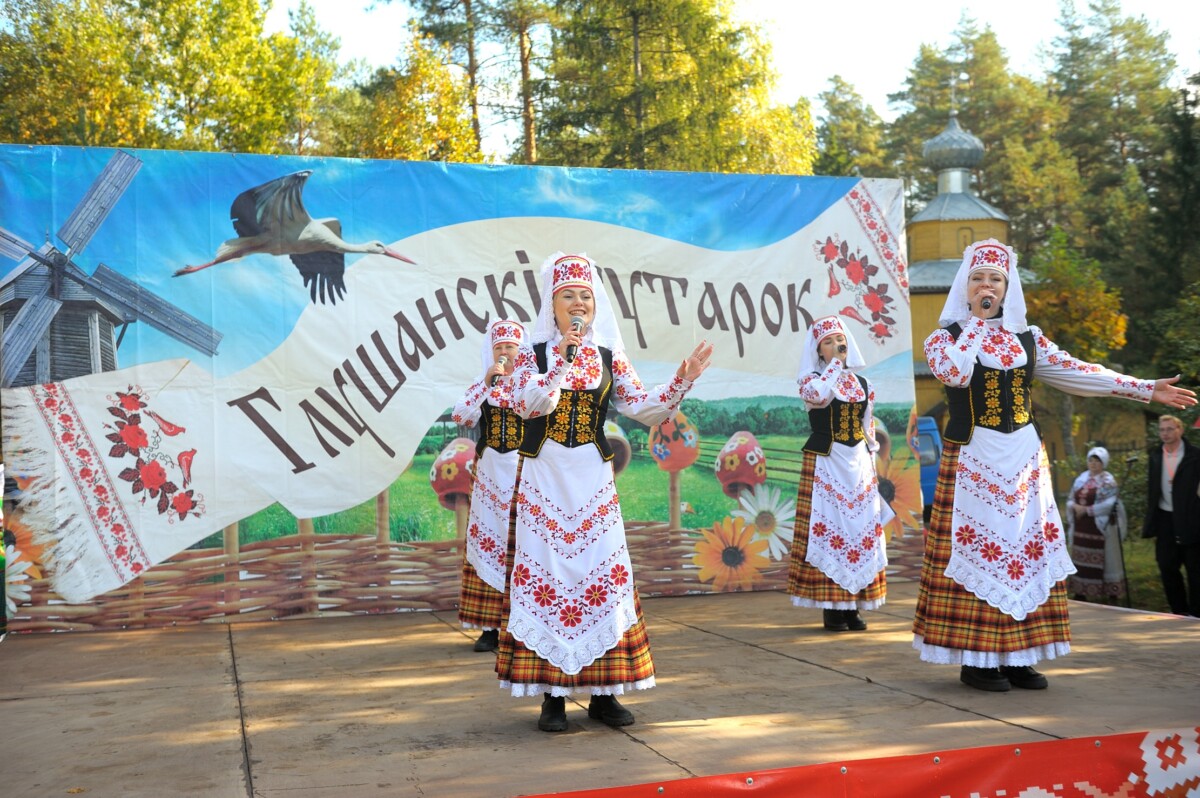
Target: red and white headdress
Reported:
[(990, 254), (570, 271), (560, 271), (818, 331), (499, 332), (505, 331), (987, 254)]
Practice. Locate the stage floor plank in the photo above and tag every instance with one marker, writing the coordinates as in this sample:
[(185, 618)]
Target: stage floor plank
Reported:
[(400, 705)]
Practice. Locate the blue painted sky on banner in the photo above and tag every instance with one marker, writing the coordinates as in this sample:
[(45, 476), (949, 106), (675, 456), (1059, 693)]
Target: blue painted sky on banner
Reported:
[(177, 212)]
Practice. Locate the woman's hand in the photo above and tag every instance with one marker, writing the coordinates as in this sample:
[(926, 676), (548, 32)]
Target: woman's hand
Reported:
[(1168, 393), (497, 370), (572, 337), (695, 363)]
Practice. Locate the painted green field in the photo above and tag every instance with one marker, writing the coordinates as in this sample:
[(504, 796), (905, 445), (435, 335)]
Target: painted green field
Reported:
[(416, 515)]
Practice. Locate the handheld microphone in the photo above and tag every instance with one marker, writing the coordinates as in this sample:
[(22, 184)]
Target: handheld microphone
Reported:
[(842, 349), (986, 303), (501, 362), (577, 323)]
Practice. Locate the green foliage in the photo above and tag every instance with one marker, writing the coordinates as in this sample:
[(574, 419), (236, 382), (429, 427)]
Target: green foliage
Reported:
[(418, 110), (73, 73), (1179, 344), (850, 135), (669, 84), (1072, 302)]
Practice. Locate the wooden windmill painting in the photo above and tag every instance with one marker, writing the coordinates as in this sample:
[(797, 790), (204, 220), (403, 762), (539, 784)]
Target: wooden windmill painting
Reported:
[(57, 321)]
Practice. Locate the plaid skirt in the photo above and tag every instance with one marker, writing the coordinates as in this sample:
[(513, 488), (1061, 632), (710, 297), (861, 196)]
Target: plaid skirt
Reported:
[(479, 604), (954, 626), (807, 585), (626, 666)]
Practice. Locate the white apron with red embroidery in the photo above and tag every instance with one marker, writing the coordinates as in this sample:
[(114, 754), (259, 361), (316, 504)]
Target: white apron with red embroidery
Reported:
[(571, 590), (487, 525), (572, 584)]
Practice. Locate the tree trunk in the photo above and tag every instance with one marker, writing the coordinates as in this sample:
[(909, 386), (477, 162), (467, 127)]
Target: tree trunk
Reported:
[(472, 72), (525, 42), (639, 109)]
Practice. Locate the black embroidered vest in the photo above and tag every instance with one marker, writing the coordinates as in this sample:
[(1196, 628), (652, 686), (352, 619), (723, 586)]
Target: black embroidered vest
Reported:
[(579, 418), (499, 428), (837, 422), (995, 398)]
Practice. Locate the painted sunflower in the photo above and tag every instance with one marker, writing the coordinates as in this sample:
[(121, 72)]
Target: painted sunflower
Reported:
[(729, 557), (900, 487), (769, 515)]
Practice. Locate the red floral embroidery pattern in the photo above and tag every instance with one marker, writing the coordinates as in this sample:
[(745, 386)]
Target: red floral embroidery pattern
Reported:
[(991, 551), (84, 462), (520, 576), (596, 595), (150, 476), (870, 216), (619, 575), (544, 594), (859, 275), (570, 615)]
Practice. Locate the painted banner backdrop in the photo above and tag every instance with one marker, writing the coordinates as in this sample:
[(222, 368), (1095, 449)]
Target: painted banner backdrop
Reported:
[(192, 356)]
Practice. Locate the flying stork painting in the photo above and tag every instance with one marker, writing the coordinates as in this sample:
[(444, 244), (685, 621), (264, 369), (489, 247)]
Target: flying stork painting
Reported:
[(271, 219)]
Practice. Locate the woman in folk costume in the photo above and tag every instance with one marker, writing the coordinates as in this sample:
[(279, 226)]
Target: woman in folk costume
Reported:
[(488, 403), (838, 553), (1096, 523), (572, 619), (992, 597)]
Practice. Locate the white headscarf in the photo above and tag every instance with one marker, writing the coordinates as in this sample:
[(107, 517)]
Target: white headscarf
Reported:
[(559, 271), (987, 254), (821, 329), (1100, 452), (502, 331)]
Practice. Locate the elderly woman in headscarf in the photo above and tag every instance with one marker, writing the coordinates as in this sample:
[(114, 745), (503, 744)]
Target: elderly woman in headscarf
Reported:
[(838, 553), (488, 404), (992, 597), (1096, 524), (572, 619)]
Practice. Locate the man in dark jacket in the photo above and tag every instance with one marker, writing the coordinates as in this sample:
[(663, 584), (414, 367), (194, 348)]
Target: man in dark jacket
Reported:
[(1173, 515)]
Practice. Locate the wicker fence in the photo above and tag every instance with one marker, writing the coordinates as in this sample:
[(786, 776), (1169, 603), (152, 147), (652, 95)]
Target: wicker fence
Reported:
[(307, 575)]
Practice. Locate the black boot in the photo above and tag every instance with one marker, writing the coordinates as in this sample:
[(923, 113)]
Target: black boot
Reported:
[(988, 679), (834, 621), (1024, 677), (488, 640), (607, 710), (854, 621), (554, 714)]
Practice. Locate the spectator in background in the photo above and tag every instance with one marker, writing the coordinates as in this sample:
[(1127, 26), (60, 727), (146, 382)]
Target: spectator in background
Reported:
[(1173, 515), (1096, 520)]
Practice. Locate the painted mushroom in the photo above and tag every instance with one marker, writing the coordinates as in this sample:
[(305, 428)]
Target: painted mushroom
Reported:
[(675, 445), (741, 464), (451, 476)]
